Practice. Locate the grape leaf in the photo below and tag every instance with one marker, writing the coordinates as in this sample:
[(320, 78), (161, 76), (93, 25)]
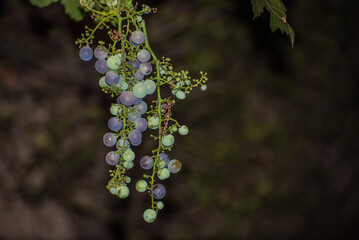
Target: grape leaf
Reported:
[(257, 7), (72, 8), (278, 16), (42, 3)]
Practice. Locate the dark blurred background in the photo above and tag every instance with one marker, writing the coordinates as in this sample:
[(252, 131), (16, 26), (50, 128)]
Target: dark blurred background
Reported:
[(273, 146)]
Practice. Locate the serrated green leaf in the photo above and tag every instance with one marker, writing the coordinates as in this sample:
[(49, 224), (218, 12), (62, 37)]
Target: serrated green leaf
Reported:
[(257, 7), (42, 3), (72, 8)]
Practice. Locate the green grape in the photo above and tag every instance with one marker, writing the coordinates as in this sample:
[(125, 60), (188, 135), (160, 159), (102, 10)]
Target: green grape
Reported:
[(114, 190), (114, 62), (168, 140), (151, 86), (183, 130), (128, 164), (180, 95), (163, 173), (204, 87), (115, 109), (149, 215), (129, 155), (123, 192), (140, 90), (160, 205), (161, 164), (128, 179), (141, 186), (153, 122)]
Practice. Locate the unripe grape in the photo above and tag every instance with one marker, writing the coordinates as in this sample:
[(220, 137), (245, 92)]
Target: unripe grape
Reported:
[(102, 82), (124, 86), (123, 192), (160, 205), (168, 140), (114, 190), (109, 139), (141, 186), (137, 37), (174, 166), (180, 95), (164, 157), (128, 164), (123, 144), (149, 215), (163, 173), (86, 53), (183, 130), (151, 86), (114, 62), (153, 122), (128, 179), (204, 87), (115, 109), (161, 164), (140, 90), (143, 56), (129, 155)]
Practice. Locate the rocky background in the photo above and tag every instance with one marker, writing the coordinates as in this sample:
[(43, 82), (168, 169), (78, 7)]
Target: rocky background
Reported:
[(273, 146)]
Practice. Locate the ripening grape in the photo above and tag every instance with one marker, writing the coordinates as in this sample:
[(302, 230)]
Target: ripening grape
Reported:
[(164, 157), (180, 95), (128, 155), (127, 98), (102, 82), (141, 124), (158, 191), (168, 140), (183, 130), (161, 164), (133, 116), (146, 68), (174, 166), (123, 144), (141, 186), (86, 53), (140, 90), (137, 37), (143, 56), (112, 158), (139, 75), (149, 215), (112, 78), (146, 162), (109, 139), (101, 66), (100, 54), (163, 173), (114, 124), (151, 86), (141, 107), (124, 86), (135, 136), (123, 192), (114, 62)]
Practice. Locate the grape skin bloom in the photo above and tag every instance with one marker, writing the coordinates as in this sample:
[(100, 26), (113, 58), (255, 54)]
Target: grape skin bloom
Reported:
[(109, 139), (137, 37), (114, 124), (146, 162), (86, 53), (100, 54), (143, 56), (146, 68), (158, 191), (101, 66), (112, 158)]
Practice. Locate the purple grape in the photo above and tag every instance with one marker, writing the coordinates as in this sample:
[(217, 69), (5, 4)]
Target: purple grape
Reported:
[(143, 56), (127, 98), (133, 44), (137, 144), (135, 136), (141, 124), (134, 64), (100, 54), (101, 66), (139, 75), (109, 139), (112, 78), (138, 101), (158, 191), (137, 37), (133, 116), (120, 143), (114, 124), (141, 108), (146, 162), (146, 68), (164, 157), (112, 158), (86, 53)]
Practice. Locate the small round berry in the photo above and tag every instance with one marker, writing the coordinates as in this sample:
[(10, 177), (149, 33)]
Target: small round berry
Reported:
[(163, 173), (129, 155), (168, 140), (180, 95), (174, 166), (160, 205), (123, 192), (141, 186), (183, 130), (149, 215)]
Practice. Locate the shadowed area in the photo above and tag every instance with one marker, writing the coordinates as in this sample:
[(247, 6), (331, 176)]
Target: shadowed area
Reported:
[(272, 151)]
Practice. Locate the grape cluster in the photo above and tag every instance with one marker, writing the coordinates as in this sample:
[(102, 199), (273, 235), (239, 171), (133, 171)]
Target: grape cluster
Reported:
[(130, 71)]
